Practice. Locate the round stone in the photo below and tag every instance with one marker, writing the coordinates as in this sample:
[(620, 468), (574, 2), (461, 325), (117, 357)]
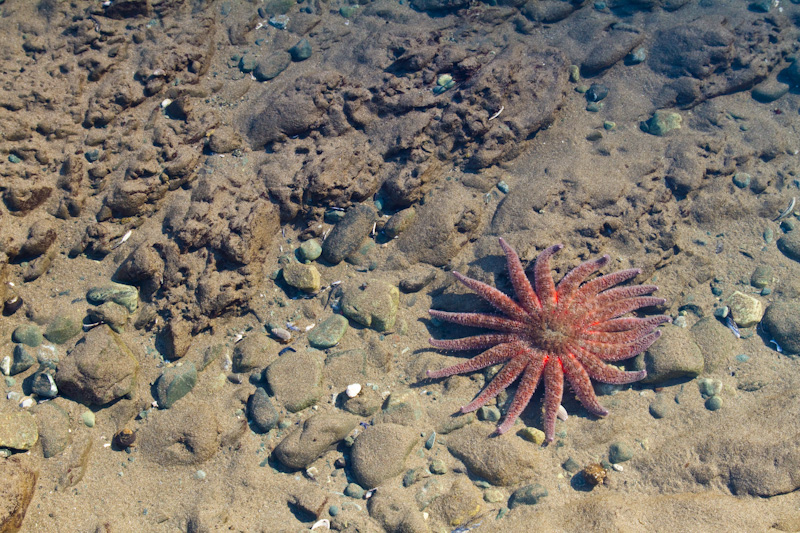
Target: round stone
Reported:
[(714, 403), (619, 452)]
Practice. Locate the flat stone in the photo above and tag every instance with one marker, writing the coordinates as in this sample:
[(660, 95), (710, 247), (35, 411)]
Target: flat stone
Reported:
[(661, 123), (100, 369), (675, 356), (18, 430), (270, 66), (619, 452), (252, 353), (328, 333), (62, 329), (380, 452), (527, 495), (296, 380), (373, 304), (316, 435), (175, 383), (501, 461), (716, 343), (746, 310), (302, 276)]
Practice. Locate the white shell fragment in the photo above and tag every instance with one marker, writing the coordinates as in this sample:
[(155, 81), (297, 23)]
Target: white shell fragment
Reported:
[(562, 413), (352, 390)]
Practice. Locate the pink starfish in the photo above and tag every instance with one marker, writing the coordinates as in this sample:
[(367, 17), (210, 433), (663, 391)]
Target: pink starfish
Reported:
[(571, 330)]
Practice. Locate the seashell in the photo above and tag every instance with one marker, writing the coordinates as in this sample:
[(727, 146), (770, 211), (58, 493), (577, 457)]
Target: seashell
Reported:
[(125, 438), (11, 304), (594, 474)]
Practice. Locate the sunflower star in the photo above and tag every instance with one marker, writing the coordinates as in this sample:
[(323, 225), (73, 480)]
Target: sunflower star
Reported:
[(571, 329)]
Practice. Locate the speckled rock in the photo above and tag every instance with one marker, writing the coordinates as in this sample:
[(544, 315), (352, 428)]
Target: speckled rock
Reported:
[(296, 379), (372, 304), (500, 461), (125, 295), (745, 309), (527, 495), (18, 430), (100, 369), (782, 322), (316, 435), (380, 452), (302, 276), (674, 356)]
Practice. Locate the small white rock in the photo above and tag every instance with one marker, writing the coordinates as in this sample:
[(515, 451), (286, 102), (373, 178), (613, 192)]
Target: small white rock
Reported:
[(352, 390), (27, 402)]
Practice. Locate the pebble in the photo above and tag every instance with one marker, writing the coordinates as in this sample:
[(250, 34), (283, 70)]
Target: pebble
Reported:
[(302, 276), (596, 92), (354, 490), (714, 403), (619, 452), (761, 276), (746, 310), (431, 440), (527, 495), (399, 222), (742, 179), (88, 419), (789, 245), (44, 385), (314, 437), (438, 467), (268, 67), (29, 335), (533, 435), (310, 250), (493, 495), (20, 361), (661, 406), (501, 462), (661, 123), (296, 379), (262, 414), (53, 423), (175, 383), (709, 387), (489, 413), (328, 333), (301, 51)]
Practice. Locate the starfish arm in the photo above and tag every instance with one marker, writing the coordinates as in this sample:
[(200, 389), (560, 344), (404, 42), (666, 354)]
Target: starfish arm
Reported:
[(619, 352), (527, 386), (503, 379), (593, 287), (581, 385), (543, 279), (522, 287), (492, 356), (600, 371), (629, 323), (480, 320), (620, 293), (553, 392), (497, 298), (476, 342), (615, 309), (622, 337), (572, 280)]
